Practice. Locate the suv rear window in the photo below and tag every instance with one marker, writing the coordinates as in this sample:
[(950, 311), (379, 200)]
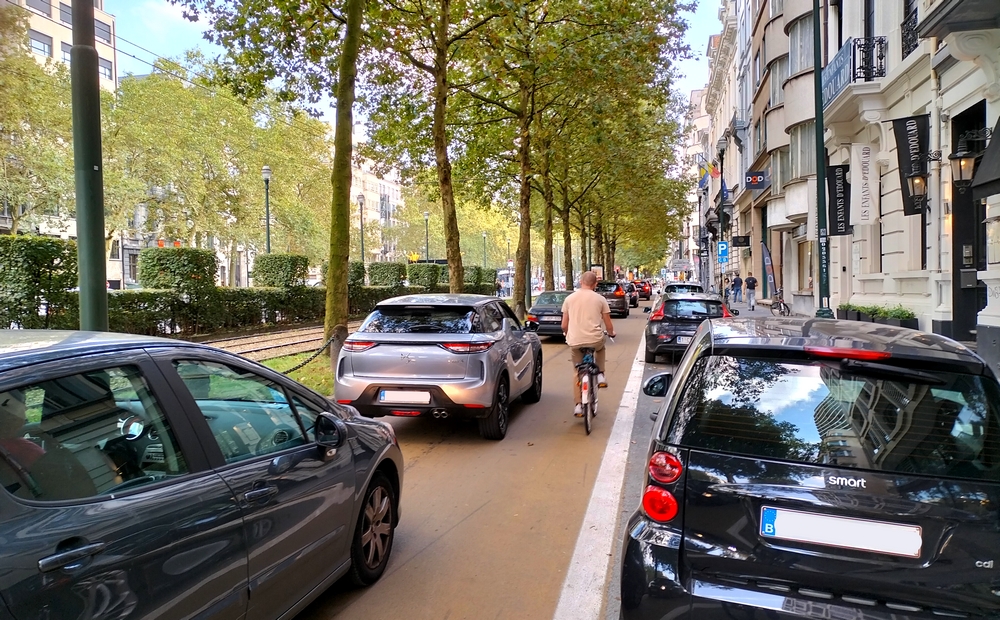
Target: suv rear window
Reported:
[(684, 288), (419, 319), (692, 308), (551, 299), (814, 412), (606, 287)]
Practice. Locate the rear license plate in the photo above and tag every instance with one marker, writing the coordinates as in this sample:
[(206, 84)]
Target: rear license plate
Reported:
[(843, 532), (550, 319), (683, 339), (409, 397)]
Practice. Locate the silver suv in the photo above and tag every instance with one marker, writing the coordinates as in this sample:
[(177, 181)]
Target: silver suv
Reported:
[(441, 355)]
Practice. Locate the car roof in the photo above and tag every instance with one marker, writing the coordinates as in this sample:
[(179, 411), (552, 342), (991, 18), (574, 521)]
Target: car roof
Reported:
[(799, 332), (437, 299), (31, 346)]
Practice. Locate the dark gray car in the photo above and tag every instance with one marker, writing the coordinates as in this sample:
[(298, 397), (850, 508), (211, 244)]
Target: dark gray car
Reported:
[(151, 478)]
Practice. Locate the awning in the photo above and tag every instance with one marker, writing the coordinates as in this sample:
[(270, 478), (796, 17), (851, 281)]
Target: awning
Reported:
[(987, 179)]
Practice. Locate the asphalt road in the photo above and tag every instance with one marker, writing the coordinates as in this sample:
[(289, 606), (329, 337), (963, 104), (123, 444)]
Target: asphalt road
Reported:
[(488, 528)]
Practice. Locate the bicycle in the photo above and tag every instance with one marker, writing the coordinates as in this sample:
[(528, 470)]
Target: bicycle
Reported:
[(587, 372), (778, 305)]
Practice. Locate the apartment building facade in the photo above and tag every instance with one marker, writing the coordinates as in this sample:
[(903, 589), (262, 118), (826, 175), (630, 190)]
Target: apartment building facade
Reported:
[(50, 35), (911, 94)]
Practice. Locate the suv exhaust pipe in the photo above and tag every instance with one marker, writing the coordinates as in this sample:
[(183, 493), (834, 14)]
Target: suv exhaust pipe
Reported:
[(439, 413)]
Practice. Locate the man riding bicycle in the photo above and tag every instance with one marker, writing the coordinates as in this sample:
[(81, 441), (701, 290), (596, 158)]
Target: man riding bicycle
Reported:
[(585, 317)]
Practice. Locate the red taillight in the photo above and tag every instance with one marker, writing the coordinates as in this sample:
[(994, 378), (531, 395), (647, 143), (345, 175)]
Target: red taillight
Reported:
[(619, 293), (344, 401), (843, 353), (406, 414), (475, 406), (356, 346), (665, 467), (467, 347), (726, 314), (659, 504), (657, 316), (531, 317)]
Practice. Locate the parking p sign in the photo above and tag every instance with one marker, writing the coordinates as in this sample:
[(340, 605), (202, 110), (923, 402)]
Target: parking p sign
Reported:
[(723, 251)]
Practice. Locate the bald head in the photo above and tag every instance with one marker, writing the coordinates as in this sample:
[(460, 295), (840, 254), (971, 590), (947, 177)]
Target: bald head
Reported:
[(588, 279)]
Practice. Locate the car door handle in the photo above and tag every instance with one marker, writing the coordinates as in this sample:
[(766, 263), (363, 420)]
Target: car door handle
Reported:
[(262, 493), (72, 556)]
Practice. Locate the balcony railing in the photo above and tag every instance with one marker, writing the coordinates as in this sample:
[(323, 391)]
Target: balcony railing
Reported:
[(869, 58), (908, 34)]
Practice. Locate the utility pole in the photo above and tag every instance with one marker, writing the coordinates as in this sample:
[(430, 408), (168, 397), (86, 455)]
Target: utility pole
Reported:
[(88, 170), (823, 311)]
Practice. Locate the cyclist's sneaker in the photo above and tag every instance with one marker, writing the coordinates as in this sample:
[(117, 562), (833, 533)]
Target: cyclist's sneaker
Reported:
[(578, 410), (601, 381)]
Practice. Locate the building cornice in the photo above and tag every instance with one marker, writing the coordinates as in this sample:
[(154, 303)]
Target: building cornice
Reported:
[(722, 58)]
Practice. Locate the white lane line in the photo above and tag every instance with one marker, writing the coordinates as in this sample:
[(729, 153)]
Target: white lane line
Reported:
[(583, 590)]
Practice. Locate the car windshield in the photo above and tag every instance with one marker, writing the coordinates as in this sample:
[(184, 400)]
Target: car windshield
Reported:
[(551, 298), (684, 288), (419, 319), (825, 413), (692, 307), (606, 287)]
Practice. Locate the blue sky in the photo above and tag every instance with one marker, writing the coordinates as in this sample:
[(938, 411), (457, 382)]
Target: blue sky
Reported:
[(160, 27)]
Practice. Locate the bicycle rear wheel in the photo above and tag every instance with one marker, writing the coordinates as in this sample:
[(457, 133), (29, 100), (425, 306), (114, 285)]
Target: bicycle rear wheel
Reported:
[(591, 402), (776, 308)]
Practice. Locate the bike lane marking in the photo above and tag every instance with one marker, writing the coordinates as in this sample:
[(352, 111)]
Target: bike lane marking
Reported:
[(585, 585)]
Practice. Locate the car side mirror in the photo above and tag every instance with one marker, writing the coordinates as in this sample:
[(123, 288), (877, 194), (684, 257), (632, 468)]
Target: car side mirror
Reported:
[(734, 312), (647, 310), (657, 385), (331, 433)]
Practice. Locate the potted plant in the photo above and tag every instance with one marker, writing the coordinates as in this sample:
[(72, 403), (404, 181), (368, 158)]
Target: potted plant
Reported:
[(843, 309), (867, 314), (879, 314), (853, 313), (901, 317)]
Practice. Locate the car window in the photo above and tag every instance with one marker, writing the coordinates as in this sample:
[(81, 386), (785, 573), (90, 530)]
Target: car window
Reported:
[(419, 319), (692, 308), (507, 313), (248, 415), (84, 435), (491, 318), (307, 413), (550, 298), (814, 412), (606, 287), (684, 288)]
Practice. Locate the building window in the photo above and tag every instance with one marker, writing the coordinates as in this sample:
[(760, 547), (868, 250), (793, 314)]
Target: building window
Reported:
[(779, 73), (756, 69), (805, 266), (780, 171), (41, 44), (908, 29), (65, 13), (42, 6), (102, 31), (777, 7), (104, 68), (802, 149), (800, 45), (758, 139), (66, 52), (115, 249)]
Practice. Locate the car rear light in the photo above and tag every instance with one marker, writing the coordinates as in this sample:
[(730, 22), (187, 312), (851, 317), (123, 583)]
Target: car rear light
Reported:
[(344, 401), (619, 293), (356, 346), (468, 347), (475, 406), (404, 413), (659, 504), (665, 468), (531, 317), (843, 353), (657, 316), (726, 314)]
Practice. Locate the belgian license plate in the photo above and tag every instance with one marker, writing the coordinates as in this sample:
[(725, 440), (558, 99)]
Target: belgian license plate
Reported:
[(550, 319), (843, 532), (407, 397), (683, 339)]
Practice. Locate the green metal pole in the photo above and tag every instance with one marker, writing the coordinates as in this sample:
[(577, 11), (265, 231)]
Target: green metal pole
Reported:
[(267, 215), (823, 311), (88, 171)]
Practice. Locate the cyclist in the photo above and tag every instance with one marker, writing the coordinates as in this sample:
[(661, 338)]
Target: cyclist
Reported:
[(586, 315)]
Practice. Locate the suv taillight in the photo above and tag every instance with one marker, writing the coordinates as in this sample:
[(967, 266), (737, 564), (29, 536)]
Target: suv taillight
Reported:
[(356, 346), (619, 292), (665, 468), (467, 347)]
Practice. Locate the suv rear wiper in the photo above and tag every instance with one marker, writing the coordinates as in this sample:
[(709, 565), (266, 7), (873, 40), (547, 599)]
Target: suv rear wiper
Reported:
[(886, 371)]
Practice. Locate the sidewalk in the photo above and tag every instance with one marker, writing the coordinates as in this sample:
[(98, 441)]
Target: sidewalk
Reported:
[(760, 310)]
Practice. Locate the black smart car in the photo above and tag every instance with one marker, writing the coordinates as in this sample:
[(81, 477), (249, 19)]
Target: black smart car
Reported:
[(673, 319), (810, 468), (152, 478)]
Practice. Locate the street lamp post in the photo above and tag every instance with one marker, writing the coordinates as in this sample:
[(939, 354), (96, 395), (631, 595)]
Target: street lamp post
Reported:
[(361, 215), (427, 237), (484, 249), (823, 311), (265, 172)]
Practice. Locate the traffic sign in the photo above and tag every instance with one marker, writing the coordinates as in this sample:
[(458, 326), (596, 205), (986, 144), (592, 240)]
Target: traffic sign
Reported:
[(723, 251)]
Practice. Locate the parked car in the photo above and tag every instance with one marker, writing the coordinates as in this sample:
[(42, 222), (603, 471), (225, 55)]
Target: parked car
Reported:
[(545, 315), (645, 289), (615, 294), (818, 468), (674, 318), (683, 287), (632, 291), (136, 468), (442, 356)]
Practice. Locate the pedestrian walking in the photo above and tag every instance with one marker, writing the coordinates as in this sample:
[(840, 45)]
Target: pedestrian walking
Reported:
[(725, 290), (751, 283), (499, 289), (737, 288)]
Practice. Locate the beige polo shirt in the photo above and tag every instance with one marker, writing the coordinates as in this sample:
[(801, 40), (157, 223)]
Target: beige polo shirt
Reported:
[(585, 309)]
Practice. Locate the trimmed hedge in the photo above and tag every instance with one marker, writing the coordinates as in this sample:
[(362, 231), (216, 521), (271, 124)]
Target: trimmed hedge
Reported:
[(36, 275), (386, 274), (186, 270), (489, 276), (280, 270), (473, 274), (426, 275), (355, 274)]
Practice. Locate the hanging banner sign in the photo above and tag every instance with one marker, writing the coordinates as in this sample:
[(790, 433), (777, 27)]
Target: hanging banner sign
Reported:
[(768, 267), (840, 200), (864, 185), (912, 143)]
